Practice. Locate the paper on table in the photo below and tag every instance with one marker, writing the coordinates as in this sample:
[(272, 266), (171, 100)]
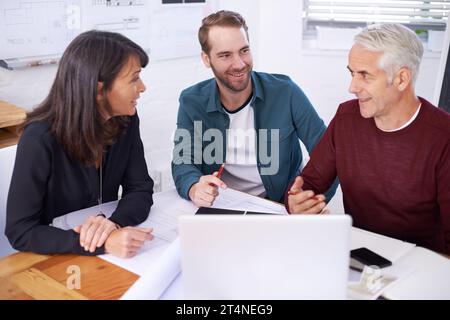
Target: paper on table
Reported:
[(236, 200), (160, 266), (163, 218), (175, 290), (158, 260), (76, 218), (158, 277), (168, 206)]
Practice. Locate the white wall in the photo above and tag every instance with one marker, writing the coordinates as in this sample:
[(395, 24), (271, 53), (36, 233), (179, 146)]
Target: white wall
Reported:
[(158, 108), (280, 38), (7, 156), (250, 10), (275, 29)]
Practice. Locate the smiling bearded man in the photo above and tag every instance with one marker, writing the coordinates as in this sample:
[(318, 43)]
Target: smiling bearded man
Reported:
[(245, 114)]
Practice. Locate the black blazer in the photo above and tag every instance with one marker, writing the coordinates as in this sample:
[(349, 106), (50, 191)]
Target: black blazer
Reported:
[(46, 184)]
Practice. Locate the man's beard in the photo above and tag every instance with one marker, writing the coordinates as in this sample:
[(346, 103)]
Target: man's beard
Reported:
[(223, 80)]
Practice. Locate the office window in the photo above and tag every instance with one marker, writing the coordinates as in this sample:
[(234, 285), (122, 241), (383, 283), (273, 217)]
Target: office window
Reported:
[(418, 15)]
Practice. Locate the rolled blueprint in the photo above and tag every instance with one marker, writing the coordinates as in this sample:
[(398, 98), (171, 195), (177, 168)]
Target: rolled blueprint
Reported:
[(152, 284)]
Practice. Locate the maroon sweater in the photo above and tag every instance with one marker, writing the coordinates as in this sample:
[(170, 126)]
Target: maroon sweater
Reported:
[(393, 183)]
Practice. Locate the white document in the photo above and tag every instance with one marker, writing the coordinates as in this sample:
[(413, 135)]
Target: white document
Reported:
[(168, 206), (158, 260), (77, 218), (159, 266), (175, 290), (236, 200), (158, 276), (163, 218)]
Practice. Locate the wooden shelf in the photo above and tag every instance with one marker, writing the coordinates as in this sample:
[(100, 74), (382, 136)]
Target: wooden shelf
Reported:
[(11, 117)]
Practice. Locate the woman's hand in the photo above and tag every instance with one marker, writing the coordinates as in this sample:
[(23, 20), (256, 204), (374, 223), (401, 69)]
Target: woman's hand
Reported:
[(126, 242), (94, 232)]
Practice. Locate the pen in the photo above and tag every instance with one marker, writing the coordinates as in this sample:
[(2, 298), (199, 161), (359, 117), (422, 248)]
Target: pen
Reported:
[(220, 170)]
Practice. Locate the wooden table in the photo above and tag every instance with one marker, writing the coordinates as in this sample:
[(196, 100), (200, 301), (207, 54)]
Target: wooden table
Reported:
[(28, 276), (31, 276), (11, 117)]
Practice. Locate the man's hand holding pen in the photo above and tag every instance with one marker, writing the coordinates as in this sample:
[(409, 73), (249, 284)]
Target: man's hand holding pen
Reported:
[(204, 192)]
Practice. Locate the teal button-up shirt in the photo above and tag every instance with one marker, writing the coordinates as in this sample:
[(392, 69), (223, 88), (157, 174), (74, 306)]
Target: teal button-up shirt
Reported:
[(278, 103)]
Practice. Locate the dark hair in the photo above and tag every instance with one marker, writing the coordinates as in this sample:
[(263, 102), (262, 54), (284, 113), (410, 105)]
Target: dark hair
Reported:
[(71, 106), (221, 18)]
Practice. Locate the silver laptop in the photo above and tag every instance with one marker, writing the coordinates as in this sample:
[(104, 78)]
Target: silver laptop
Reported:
[(265, 256)]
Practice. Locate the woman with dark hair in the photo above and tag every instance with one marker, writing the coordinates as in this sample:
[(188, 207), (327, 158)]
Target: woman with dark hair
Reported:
[(77, 148)]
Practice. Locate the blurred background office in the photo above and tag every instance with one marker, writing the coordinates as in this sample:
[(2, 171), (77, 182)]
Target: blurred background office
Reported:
[(307, 40)]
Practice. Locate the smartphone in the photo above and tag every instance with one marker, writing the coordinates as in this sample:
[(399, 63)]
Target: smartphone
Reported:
[(364, 257)]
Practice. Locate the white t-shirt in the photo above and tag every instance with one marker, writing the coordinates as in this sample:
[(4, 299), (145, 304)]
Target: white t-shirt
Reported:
[(408, 122), (241, 170)]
